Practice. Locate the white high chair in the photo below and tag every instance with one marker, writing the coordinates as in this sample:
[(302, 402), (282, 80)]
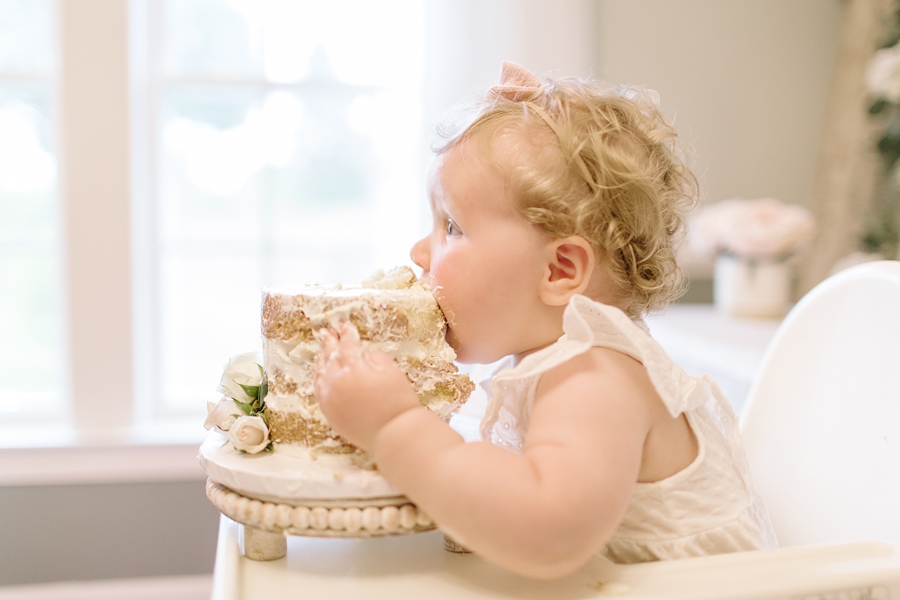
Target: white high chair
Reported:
[(822, 425), (822, 435)]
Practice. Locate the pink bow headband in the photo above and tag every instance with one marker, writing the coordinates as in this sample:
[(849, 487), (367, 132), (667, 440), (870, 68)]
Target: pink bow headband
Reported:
[(518, 84)]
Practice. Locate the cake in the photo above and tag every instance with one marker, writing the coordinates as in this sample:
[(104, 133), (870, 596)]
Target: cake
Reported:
[(394, 314), (279, 469)]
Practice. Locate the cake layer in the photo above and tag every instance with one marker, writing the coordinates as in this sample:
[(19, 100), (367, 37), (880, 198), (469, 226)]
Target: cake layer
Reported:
[(291, 373), (379, 315)]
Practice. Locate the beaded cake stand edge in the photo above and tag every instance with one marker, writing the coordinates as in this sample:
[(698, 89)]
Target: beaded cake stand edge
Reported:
[(266, 524)]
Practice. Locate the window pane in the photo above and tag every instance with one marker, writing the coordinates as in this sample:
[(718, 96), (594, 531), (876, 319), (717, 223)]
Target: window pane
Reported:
[(27, 164), (30, 338), (207, 38), (29, 319), (289, 41), (25, 37), (303, 167)]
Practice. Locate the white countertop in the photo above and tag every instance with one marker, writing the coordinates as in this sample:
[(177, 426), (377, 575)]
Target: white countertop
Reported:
[(701, 340)]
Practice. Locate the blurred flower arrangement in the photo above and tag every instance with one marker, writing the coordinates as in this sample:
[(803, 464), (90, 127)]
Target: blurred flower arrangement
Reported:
[(752, 241), (753, 230), (882, 230), (240, 413)]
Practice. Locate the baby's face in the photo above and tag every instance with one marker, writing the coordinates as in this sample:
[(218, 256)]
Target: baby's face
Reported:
[(484, 259)]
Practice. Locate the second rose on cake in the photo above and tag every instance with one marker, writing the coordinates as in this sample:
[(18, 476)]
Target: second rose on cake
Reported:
[(394, 314)]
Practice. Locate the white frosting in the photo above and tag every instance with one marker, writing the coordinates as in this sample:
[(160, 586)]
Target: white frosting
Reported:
[(278, 476), (330, 307)]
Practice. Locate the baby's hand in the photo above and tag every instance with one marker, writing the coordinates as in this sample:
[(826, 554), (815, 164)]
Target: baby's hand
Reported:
[(358, 391)]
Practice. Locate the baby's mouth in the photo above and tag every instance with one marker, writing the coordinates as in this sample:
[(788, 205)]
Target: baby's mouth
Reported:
[(451, 339), (449, 318)]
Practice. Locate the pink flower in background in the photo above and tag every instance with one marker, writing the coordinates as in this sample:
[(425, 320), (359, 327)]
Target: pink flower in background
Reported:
[(761, 228), (883, 74)]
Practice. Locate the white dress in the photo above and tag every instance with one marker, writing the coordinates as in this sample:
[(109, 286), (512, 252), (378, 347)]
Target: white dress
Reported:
[(709, 507)]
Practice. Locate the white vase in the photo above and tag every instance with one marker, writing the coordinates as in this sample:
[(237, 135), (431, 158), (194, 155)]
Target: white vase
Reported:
[(751, 287)]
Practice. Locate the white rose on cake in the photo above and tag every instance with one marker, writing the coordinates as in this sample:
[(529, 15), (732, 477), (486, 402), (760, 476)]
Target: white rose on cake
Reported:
[(222, 414), (249, 434), (242, 377)]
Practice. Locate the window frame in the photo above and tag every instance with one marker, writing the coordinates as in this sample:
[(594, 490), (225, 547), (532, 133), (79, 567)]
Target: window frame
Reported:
[(101, 436), (95, 188), (48, 80)]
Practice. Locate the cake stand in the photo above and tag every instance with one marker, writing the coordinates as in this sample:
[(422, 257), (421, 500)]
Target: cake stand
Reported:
[(275, 495)]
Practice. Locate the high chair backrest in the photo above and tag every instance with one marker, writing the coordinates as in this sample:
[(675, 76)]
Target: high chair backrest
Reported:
[(821, 425)]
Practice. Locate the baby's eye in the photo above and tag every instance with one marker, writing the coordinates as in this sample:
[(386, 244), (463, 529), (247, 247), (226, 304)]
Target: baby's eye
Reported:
[(452, 229)]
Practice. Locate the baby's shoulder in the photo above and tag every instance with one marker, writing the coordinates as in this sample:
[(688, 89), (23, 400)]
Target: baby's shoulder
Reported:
[(594, 402), (600, 374)]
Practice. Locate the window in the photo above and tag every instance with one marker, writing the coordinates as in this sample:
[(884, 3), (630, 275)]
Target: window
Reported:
[(275, 143), (285, 149), (31, 372)]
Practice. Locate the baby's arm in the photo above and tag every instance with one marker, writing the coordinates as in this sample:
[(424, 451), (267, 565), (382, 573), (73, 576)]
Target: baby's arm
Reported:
[(543, 513)]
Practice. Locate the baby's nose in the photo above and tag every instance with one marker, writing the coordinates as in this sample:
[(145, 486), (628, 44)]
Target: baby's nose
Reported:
[(420, 253)]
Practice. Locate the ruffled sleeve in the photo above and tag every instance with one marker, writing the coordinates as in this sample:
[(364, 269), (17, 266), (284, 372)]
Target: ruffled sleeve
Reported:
[(608, 326)]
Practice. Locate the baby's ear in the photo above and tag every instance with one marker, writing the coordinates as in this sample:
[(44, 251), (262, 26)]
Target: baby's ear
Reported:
[(570, 264)]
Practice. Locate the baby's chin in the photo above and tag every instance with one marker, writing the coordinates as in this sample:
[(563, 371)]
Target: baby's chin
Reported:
[(462, 356), (466, 355)]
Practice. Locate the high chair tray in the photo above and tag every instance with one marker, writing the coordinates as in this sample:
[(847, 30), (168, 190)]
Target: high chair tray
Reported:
[(417, 566)]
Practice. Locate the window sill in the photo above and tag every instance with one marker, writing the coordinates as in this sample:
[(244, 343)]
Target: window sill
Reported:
[(62, 455)]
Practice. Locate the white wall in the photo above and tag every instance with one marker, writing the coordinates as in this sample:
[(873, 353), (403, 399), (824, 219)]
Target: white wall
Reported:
[(746, 79)]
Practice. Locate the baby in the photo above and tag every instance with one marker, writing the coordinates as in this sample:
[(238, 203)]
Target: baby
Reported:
[(555, 210)]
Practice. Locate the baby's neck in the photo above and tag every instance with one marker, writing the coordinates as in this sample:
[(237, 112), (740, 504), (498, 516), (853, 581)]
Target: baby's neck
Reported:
[(517, 358)]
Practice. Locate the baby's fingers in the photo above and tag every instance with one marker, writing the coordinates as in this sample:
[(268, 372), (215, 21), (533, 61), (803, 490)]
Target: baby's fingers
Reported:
[(378, 360), (349, 346), (329, 343), (349, 334), (328, 362)]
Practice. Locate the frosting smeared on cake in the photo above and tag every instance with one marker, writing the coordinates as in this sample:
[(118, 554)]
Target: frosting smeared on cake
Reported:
[(394, 314)]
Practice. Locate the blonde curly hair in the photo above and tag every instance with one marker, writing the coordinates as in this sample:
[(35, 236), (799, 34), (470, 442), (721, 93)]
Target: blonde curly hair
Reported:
[(600, 162)]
